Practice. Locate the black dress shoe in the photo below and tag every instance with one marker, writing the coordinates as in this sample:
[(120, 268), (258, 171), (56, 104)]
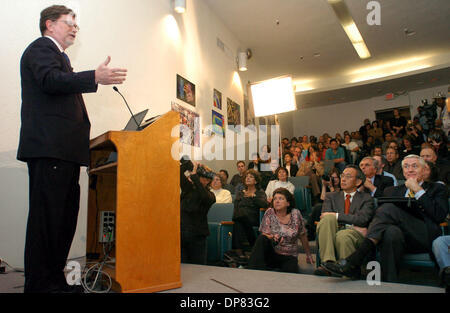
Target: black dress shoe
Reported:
[(321, 271), (343, 268)]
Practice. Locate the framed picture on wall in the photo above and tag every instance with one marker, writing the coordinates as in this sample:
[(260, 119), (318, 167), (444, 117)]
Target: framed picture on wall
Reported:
[(189, 125), (185, 90), (233, 114), (218, 123), (217, 99)]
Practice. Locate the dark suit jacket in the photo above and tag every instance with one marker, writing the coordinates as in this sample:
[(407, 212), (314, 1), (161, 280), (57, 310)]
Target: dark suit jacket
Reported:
[(381, 182), (55, 123), (362, 208), (293, 170), (433, 205)]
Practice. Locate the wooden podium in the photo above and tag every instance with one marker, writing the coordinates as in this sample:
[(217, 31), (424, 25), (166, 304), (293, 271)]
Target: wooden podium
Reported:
[(143, 190)]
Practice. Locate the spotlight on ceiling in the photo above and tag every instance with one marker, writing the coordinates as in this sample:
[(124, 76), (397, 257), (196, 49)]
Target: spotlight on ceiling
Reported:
[(242, 58), (180, 6)]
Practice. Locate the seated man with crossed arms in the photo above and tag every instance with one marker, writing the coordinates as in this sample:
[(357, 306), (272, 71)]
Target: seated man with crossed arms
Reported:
[(345, 217)]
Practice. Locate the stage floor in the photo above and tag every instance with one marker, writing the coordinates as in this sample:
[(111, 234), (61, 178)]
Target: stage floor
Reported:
[(212, 279)]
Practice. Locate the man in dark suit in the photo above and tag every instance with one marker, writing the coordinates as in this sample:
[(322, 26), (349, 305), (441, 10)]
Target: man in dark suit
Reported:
[(344, 220), (398, 228), (374, 184), (54, 141)]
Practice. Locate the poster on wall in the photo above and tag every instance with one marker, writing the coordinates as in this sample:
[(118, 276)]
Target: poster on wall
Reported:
[(217, 99), (218, 123), (185, 90), (189, 125), (233, 114)]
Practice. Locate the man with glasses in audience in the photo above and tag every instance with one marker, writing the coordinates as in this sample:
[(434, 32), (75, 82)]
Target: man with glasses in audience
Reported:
[(345, 217), (54, 141), (400, 227)]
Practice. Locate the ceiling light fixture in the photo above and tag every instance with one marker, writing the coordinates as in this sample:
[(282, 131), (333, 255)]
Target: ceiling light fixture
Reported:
[(350, 28), (180, 6)]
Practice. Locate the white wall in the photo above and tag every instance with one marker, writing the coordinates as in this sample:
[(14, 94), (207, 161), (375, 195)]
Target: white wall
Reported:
[(350, 116), (144, 36)]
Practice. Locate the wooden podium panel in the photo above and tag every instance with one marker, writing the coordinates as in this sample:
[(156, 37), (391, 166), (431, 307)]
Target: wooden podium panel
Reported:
[(143, 189)]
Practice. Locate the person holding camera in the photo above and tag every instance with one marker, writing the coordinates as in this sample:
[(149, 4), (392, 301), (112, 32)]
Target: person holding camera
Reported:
[(281, 227), (196, 200)]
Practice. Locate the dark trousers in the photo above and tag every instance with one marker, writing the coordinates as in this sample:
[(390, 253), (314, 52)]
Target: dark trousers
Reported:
[(242, 229), (398, 233), (193, 248), (54, 199), (264, 257)]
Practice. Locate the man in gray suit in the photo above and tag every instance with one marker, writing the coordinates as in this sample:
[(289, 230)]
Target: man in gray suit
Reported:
[(345, 217)]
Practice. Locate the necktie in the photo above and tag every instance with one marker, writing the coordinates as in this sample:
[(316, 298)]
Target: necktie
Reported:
[(347, 204), (411, 194), (67, 58)]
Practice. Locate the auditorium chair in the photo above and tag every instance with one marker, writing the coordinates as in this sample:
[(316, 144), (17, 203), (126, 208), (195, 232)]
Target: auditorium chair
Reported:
[(220, 228)]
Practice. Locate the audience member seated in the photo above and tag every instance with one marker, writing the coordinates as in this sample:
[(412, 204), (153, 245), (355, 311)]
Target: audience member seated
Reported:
[(415, 135), (407, 147), (376, 132), (265, 156), (438, 143), (281, 182), (428, 154), (196, 200), (380, 171), (313, 168), (268, 173), (330, 183), (305, 143), (237, 178), (442, 255), (255, 164), (396, 228), (368, 146), (374, 184), (247, 205), (387, 139), (345, 217), (336, 154), (224, 176), (393, 164), (352, 147), (281, 227), (431, 173), (322, 150), (291, 168), (222, 195), (377, 150)]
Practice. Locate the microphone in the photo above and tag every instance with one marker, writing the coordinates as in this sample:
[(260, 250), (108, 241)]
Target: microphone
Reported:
[(132, 115)]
